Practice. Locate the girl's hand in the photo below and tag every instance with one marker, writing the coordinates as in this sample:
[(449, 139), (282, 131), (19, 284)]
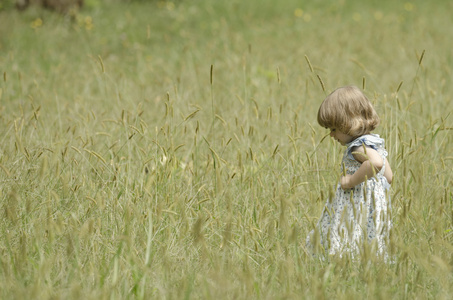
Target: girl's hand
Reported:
[(345, 182)]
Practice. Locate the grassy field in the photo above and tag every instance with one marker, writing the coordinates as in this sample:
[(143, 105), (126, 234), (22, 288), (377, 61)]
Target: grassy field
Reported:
[(170, 150)]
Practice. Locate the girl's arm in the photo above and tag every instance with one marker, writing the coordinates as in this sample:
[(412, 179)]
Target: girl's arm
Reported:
[(371, 164), (388, 174)]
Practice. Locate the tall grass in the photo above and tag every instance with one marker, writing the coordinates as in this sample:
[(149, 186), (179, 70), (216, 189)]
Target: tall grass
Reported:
[(170, 150)]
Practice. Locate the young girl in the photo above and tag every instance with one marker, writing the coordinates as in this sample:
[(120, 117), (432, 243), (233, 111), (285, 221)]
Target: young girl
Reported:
[(359, 208)]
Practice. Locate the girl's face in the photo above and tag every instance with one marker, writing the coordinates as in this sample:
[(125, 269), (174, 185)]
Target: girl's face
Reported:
[(340, 137)]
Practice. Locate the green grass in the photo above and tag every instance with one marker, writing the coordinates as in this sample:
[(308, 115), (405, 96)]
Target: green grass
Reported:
[(127, 170)]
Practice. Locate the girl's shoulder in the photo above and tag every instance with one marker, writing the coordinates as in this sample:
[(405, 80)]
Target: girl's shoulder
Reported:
[(371, 140)]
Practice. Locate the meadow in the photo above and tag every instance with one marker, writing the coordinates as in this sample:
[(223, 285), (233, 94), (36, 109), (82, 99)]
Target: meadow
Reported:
[(170, 150)]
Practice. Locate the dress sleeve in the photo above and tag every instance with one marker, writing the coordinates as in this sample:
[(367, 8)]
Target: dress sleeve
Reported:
[(372, 141)]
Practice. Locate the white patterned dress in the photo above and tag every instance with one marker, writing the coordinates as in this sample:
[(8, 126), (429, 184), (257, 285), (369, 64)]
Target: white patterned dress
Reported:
[(358, 214)]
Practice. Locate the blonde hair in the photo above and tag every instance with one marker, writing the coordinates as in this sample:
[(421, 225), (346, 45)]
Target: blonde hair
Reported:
[(348, 110)]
